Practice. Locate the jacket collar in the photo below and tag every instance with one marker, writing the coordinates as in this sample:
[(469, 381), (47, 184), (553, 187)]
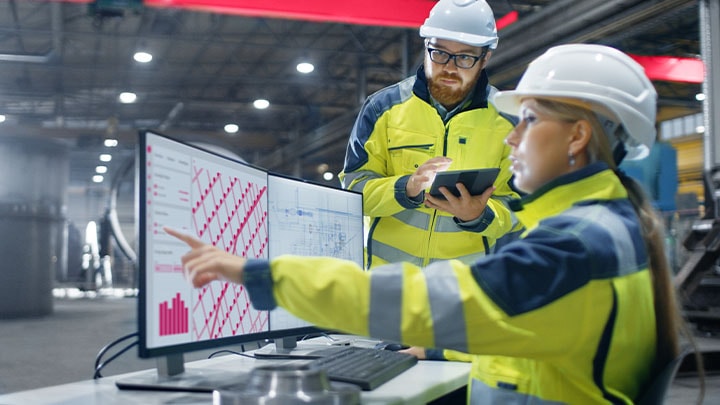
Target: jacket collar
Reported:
[(591, 183)]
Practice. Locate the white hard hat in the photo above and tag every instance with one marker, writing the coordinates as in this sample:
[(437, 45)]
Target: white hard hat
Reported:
[(601, 76), (469, 22)]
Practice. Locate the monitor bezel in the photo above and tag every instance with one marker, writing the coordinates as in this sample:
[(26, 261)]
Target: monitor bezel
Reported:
[(150, 352)]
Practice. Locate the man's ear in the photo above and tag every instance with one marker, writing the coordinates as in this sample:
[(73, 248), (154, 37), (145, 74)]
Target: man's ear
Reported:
[(487, 56)]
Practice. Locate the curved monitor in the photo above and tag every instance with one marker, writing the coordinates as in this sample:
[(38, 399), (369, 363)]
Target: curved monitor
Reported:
[(241, 209)]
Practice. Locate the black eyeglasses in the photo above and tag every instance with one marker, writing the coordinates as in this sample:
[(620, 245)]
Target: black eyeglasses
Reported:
[(462, 61)]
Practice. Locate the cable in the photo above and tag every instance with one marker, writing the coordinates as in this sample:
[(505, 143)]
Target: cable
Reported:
[(323, 334), (283, 356), (110, 345), (116, 355), (99, 366), (268, 356), (231, 352)]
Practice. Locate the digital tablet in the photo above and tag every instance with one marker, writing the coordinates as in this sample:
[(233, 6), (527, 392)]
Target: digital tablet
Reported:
[(476, 181)]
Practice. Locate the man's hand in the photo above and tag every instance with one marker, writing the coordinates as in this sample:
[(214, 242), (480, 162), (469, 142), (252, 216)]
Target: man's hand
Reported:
[(205, 263), (465, 207), (416, 351), (425, 175)]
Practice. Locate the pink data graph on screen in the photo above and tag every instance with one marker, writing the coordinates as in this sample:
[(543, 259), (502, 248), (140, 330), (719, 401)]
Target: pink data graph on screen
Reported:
[(173, 317), (226, 311), (230, 213), (168, 268)]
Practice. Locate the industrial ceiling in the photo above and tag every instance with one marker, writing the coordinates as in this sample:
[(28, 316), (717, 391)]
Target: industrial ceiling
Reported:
[(63, 65)]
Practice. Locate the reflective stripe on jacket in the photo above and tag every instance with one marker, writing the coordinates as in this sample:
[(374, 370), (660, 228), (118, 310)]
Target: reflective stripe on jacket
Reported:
[(563, 315), (397, 130)]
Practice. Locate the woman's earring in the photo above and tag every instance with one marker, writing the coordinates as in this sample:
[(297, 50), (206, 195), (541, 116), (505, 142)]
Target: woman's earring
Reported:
[(571, 159)]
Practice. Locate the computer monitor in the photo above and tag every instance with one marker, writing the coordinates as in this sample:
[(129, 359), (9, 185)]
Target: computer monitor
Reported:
[(308, 219), (239, 208)]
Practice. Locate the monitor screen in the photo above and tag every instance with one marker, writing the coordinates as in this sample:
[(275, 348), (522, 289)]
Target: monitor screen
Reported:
[(311, 220), (241, 209)]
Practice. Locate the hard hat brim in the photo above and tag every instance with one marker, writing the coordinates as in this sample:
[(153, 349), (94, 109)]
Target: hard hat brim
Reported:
[(509, 102), (464, 38)]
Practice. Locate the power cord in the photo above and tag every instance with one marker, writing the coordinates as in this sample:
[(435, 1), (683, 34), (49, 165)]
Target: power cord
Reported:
[(99, 365), (267, 356), (230, 352)]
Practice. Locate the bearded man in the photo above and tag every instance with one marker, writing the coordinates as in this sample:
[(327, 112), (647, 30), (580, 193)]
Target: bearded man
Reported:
[(441, 118)]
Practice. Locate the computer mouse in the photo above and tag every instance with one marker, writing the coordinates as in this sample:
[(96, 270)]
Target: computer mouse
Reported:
[(394, 347)]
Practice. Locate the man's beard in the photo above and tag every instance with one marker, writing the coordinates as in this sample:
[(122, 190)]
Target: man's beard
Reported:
[(447, 96)]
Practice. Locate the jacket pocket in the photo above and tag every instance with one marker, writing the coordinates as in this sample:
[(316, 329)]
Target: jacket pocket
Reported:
[(405, 159)]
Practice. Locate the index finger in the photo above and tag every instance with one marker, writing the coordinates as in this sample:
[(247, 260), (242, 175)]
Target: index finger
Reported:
[(441, 163), (190, 240)]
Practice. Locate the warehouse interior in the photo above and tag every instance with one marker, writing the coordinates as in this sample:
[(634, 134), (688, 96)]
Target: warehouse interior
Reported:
[(65, 65)]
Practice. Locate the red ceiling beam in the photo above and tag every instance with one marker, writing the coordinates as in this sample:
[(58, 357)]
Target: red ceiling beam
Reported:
[(506, 20), (392, 13), (672, 69), (398, 13), (389, 13)]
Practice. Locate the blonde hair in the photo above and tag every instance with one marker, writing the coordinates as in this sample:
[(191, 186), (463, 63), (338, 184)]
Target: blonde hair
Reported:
[(670, 323)]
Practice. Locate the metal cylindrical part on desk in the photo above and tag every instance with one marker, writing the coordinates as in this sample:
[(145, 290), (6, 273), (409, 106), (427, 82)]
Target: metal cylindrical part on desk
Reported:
[(33, 181), (287, 384)]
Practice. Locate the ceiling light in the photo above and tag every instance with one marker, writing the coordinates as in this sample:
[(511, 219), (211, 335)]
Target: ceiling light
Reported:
[(127, 97), (305, 67), (322, 168), (105, 157), (142, 57), (700, 129), (700, 97), (2, 118), (100, 169), (328, 176), (111, 143), (97, 178), (231, 128), (261, 104)]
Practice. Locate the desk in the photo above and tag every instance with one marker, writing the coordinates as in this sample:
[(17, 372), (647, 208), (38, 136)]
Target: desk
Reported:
[(420, 384)]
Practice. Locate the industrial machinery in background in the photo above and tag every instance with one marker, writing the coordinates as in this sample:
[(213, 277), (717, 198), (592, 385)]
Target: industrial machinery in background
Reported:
[(698, 280)]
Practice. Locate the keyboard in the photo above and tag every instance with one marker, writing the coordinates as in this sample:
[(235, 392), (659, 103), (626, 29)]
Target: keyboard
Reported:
[(365, 367)]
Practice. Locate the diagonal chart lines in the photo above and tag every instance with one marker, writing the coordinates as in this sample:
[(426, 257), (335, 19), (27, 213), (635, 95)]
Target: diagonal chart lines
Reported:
[(230, 213)]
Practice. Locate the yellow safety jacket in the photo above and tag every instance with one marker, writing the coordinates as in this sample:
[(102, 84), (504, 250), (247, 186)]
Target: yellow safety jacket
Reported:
[(397, 130), (563, 315)]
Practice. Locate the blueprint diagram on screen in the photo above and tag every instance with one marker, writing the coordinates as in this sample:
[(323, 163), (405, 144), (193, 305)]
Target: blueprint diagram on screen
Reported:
[(313, 220)]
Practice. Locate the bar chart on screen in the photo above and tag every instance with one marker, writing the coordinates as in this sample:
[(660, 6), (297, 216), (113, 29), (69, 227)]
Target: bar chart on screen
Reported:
[(173, 316)]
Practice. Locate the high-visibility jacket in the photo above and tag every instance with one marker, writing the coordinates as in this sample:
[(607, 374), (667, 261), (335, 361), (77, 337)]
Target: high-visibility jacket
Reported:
[(397, 130), (563, 315)]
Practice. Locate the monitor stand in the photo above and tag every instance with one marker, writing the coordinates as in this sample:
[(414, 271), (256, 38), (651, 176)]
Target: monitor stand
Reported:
[(285, 345), (171, 375), (285, 348)]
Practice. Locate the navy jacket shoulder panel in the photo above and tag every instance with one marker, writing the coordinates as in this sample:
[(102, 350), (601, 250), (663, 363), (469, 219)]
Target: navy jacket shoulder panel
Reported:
[(372, 109), (534, 271), (562, 254)]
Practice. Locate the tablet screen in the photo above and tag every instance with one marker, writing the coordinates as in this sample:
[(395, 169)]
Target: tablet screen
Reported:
[(476, 181)]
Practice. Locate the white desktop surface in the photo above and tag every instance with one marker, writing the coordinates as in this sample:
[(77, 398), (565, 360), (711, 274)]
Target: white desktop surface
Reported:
[(420, 384)]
